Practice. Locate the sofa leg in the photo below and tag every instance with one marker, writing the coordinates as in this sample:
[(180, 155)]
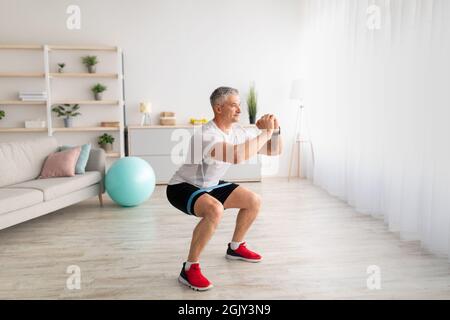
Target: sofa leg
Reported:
[(100, 199)]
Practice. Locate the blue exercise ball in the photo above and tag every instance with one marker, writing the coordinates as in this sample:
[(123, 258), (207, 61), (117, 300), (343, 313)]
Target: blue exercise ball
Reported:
[(130, 181)]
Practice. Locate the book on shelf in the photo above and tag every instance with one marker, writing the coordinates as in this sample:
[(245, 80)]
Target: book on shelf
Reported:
[(33, 93), (33, 124), (32, 96)]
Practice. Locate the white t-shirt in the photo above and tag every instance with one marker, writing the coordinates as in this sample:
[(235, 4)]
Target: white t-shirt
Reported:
[(200, 169)]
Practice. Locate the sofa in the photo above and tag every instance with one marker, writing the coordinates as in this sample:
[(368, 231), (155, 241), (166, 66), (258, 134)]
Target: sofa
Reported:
[(23, 196)]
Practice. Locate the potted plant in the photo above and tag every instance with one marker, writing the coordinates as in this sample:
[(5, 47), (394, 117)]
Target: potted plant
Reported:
[(252, 103), (105, 141), (90, 62), (2, 114), (68, 111), (61, 67), (98, 89)]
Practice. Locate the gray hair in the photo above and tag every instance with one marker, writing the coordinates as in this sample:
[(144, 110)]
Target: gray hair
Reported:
[(221, 94)]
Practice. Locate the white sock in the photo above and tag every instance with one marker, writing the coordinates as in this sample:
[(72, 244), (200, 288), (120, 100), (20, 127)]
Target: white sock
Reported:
[(235, 245), (188, 264)]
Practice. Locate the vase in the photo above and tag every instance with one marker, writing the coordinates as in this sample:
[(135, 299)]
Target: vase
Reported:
[(60, 70), (68, 122), (252, 119), (91, 69), (107, 147), (146, 120), (98, 96)]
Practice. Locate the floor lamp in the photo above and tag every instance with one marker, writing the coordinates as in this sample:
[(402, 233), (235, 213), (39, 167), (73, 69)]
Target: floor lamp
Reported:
[(297, 92)]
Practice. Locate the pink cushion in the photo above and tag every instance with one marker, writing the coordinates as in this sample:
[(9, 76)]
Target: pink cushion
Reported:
[(61, 164)]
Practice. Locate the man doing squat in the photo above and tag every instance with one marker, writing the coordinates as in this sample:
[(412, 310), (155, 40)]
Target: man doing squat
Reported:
[(197, 189)]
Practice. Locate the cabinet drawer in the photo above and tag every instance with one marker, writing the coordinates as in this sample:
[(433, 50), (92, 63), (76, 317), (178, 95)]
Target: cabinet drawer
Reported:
[(143, 142)]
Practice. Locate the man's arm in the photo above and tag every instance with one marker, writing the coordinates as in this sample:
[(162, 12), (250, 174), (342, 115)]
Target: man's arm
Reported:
[(239, 153), (273, 147), (236, 154)]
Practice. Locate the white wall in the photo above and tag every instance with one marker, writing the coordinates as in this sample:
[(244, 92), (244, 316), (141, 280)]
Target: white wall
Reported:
[(177, 52)]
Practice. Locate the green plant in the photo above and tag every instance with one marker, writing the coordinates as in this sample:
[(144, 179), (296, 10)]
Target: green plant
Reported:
[(98, 88), (252, 102), (61, 65), (67, 110), (2, 114), (89, 60), (105, 139)]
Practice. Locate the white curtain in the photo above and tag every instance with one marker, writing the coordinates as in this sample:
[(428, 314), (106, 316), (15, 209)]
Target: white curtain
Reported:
[(378, 105)]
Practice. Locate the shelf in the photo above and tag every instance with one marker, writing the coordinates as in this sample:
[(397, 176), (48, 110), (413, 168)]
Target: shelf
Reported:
[(179, 126), (57, 47), (57, 75), (84, 48), (84, 75), (19, 130), (93, 102), (21, 47), (22, 75), (22, 103), (85, 129), (82, 102)]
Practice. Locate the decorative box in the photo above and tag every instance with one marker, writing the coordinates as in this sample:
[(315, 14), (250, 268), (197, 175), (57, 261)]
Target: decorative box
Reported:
[(167, 119), (110, 124), (35, 124)]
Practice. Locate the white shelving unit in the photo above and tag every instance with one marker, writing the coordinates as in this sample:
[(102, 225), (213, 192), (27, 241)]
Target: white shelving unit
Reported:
[(49, 76)]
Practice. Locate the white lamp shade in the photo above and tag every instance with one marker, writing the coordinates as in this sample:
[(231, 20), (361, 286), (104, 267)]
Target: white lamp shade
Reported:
[(297, 89), (145, 107)]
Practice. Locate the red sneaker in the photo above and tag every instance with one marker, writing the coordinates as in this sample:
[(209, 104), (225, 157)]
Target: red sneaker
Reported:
[(193, 278), (242, 253)]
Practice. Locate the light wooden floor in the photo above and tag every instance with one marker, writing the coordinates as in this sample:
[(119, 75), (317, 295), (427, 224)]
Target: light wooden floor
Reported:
[(315, 247)]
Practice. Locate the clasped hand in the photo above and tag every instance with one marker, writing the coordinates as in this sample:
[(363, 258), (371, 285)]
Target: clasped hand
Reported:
[(268, 122)]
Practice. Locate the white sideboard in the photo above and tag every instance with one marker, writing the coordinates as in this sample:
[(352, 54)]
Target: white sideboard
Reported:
[(156, 143)]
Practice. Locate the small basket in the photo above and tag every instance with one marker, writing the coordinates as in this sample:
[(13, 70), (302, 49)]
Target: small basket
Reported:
[(167, 119)]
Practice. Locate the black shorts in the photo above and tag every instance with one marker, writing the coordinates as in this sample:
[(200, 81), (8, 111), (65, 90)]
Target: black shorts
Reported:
[(183, 196)]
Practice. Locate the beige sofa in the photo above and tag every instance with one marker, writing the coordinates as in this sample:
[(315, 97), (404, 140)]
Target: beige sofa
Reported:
[(24, 197)]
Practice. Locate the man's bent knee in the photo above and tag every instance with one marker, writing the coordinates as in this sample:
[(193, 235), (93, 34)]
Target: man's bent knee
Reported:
[(214, 213), (211, 209), (254, 202)]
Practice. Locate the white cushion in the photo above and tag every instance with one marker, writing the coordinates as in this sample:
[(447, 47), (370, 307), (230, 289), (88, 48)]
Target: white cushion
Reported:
[(15, 199), (23, 160), (57, 187)]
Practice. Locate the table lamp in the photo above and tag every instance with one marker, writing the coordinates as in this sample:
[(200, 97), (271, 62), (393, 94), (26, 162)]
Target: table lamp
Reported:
[(146, 109)]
